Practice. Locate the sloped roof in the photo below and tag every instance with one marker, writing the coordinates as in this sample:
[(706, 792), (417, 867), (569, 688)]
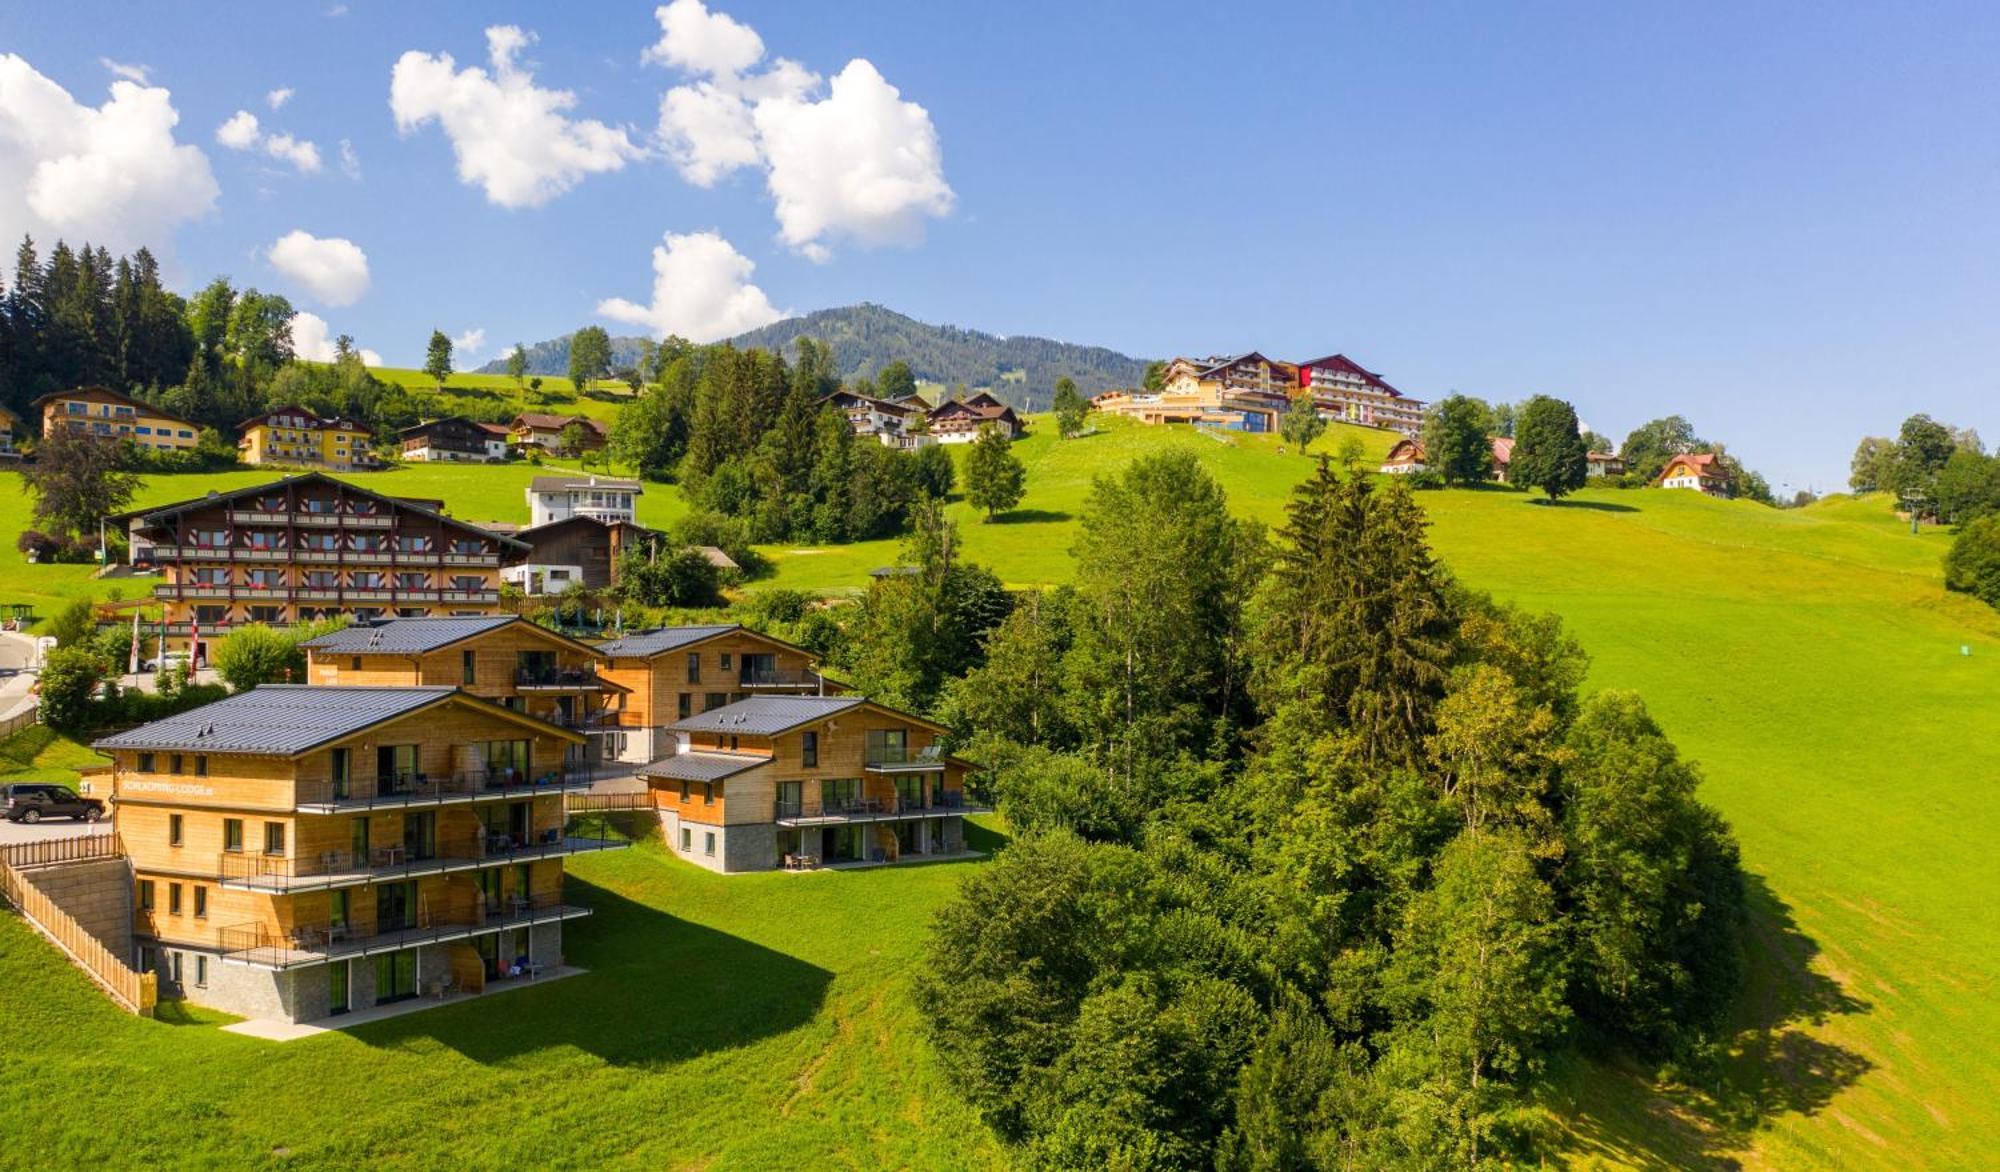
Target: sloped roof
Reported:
[(764, 716), (645, 644), (278, 719), (417, 636), (1705, 464), (107, 395), (309, 420), (430, 508), (701, 766), (566, 483), (543, 421), (1345, 365), (1503, 448)]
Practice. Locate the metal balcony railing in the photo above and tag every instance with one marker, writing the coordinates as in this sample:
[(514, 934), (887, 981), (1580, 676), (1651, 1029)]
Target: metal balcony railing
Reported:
[(557, 677), (397, 861), (774, 677), (876, 809), (323, 795), (891, 758), (274, 947)]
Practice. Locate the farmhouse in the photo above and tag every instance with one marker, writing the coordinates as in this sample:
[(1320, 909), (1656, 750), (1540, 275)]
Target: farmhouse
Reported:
[(309, 547), (576, 549), (454, 440), (959, 421), (674, 673), (773, 781), (1407, 455), (880, 418), (1700, 471), (298, 852), (535, 429), (558, 498), (298, 437), (109, 415), (1598, 464)]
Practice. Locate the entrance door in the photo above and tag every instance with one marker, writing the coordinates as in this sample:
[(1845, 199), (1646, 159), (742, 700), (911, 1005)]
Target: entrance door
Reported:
[(337, 985), (420, 835), (791, 799), (395, 976)]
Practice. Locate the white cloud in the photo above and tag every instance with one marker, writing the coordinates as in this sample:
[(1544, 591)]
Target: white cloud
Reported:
[(334, 270), (701, 291), (312, 340), (510, 136), (242, 133), (142, 74), (469, 343), (112, 174), (278, 97), (350, 163), (859, 164)]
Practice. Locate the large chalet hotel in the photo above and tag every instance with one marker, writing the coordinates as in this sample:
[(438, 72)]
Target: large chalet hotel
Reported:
[(1249, 392)]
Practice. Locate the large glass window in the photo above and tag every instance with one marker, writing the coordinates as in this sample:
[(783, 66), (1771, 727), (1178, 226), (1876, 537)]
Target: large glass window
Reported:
[(395, 906), (839, 793), (395, 768), (507, 762), (887, 746), (395, 976)]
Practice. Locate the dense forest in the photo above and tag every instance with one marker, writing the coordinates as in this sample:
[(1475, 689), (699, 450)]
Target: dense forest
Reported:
[(1023, 371)]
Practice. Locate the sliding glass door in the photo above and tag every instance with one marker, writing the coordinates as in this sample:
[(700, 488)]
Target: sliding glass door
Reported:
[(395, 976)]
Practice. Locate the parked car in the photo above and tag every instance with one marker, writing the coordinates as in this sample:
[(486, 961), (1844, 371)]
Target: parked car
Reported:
[(32, 803), (172, 660)]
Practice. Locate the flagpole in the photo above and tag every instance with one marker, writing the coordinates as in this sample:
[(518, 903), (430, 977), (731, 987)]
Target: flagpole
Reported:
[(132, 660)]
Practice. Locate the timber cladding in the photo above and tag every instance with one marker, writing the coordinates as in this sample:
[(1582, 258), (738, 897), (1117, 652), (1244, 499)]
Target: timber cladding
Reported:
[(658, 682)]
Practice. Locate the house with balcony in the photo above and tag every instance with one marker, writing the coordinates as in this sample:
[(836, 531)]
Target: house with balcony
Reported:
[(298, 852), (301, 438), (106, 414), (959, 421), (1344, 391), (544, 432), (805, 781), (674, 673), (311, 547), (601, 498), (503, 658), (1704, 472), (454, 440), (576, 550)]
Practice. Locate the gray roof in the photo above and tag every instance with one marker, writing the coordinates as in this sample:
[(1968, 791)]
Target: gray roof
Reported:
[(406, 636), (702, 766), (764, 716), (645, 644), (277, 719), (565, 483)]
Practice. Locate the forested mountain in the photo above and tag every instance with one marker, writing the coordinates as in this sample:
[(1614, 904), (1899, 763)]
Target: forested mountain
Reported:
[(865, 338)]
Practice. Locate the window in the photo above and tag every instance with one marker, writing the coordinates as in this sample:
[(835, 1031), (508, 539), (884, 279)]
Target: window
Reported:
[(200, 902), (174, 967), (145, 763), (809, 750), (200, 971), (173, 899), (232, 834), (684, 789), (694, 667), (708, 793), (723, 661), (687, 842), (145, 895), (507, 761), (887, 746), (708, 844), (354, 663), (174, 765), (839, 793), (714, 700), (467, 667), (274, 838), (201, 765), (686, 705), (174, 827)]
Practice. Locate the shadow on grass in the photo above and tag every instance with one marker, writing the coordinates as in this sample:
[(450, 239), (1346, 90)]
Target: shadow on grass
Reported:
[(1770, 1064), (1597, 506), (659, 990), (1030, 516)]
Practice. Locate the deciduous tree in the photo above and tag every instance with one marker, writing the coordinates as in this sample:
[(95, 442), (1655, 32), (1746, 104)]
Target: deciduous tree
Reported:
[(1070, 407), (995, 480), (1549, 451), (1455, 443), (77, 481)]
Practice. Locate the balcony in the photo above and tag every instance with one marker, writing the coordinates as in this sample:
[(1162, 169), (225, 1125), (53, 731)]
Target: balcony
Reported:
[(270, 947), (455, 595), (552, 679), (256, 517), (798, 814), (472, 559), (903, 760), (280, 875), (322, 796), (775, 679)]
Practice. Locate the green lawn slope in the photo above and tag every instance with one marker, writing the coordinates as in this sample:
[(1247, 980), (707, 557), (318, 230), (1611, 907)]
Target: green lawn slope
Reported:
[(1810, 659)]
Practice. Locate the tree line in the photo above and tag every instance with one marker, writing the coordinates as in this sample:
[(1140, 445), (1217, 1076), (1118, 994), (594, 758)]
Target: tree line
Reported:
[(1935, 472), (1319, 858)]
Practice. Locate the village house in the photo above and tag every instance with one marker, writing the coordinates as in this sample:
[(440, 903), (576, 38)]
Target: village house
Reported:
[(674, 673), (959, 421), (1407, 455), (107, 414), (311, 547), (298, 437), (1600, 464), (601, 498), (535, 429), (9, 424), (298, 852), (575, 550), (802, 781), (886, 421), (1701, 471), (454, 440)]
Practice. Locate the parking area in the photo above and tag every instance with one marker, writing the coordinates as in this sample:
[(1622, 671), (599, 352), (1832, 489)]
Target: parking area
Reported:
[(13, 832)]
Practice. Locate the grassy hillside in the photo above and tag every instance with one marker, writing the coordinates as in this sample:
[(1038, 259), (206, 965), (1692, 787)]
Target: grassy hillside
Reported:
[(1809, 659), (487, 396)]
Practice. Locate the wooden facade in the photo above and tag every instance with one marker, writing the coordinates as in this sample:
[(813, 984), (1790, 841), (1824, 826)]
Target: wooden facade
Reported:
[(711, 668)]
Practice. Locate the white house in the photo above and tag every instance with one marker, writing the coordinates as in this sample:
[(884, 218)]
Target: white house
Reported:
[(601, 498)]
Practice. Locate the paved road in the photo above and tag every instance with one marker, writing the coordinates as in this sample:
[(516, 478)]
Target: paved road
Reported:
[(13, 832), (16, 685)]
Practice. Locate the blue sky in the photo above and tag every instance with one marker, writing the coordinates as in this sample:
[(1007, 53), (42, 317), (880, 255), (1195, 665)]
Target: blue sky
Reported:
[(1782, 221)]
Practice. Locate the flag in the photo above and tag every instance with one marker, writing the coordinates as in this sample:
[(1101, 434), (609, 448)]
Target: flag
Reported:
[(132, 664), (194, 642)]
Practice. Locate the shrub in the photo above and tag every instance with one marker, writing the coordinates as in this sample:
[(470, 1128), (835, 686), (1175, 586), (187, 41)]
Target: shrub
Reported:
[(1424, 479), (38, 546), (1973, 562), (69, 676), (74, 626)]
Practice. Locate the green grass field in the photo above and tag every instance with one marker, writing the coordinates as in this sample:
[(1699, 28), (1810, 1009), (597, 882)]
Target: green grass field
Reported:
[(1810, 659), (482, 394)]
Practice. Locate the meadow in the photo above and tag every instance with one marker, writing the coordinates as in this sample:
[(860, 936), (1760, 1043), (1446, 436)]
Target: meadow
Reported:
[(1840, 702)]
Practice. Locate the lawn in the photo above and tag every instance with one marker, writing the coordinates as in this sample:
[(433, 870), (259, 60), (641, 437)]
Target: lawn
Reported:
[(1810, 660), (482, 394)]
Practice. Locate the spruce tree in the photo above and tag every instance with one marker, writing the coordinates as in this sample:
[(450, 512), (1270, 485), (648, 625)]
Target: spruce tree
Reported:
[(437, 359)]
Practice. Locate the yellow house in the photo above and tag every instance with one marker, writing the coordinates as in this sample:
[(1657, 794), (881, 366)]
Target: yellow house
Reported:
[(110, 415), (9, 424), (296, 436)]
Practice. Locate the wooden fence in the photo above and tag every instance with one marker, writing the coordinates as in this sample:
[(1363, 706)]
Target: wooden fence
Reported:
[(136, 991), (20, 720)]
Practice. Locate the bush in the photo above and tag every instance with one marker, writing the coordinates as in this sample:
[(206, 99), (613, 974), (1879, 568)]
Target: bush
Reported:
[(69, 676), (37, 546), (1973, 562), (682, 577), (136, 707), (777, 606), (1424, 479), (74, 626), (256, 654)]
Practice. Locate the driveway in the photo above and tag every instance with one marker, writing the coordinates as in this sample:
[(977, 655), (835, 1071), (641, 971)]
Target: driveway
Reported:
[(16, 685), (13, 832)]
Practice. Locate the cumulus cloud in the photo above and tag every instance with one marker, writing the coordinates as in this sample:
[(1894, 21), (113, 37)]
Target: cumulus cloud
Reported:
[(469, 343), (242, 133), (278, 97), (142, 74), (511, 137), (701, 291), (856, 162), (312, 340), (111, 174), (334, 270)]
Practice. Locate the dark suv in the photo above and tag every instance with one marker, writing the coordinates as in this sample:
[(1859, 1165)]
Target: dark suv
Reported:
[(32, 803)]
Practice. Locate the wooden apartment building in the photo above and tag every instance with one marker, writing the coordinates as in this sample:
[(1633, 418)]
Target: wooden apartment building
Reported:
[(790, 780), (309, 547), (301, 851), (674, 673)]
